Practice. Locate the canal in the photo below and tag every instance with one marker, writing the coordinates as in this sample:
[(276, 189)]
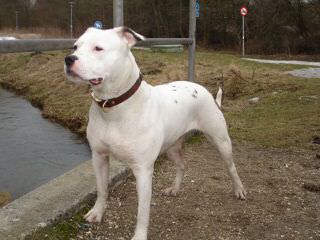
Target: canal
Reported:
[(33, 150)]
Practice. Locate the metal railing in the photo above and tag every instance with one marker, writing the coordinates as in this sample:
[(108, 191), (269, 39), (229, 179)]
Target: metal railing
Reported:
[(39, 45), (35, 45)]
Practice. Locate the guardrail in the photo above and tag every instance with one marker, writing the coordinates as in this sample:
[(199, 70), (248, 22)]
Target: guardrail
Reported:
[(40, 45), (35, 45)]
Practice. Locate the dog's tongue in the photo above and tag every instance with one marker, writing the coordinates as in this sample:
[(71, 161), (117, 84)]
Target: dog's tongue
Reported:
[(95, 81)]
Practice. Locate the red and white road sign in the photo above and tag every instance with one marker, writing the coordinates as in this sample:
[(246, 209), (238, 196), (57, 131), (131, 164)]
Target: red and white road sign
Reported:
[(243, 11)]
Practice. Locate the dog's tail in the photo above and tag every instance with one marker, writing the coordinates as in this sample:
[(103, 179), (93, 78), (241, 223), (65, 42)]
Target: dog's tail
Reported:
[(219, 97)]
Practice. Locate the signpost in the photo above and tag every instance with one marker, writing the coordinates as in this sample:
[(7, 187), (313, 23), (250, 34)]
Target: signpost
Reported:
[(17, 20), (71, 19), (243, 12)]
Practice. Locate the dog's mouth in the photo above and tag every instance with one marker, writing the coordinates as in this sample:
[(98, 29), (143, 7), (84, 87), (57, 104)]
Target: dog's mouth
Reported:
[(95, 81)]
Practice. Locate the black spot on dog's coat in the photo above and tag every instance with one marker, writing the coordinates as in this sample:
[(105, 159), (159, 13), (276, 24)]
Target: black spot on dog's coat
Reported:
[(176, 101), (195, 93)]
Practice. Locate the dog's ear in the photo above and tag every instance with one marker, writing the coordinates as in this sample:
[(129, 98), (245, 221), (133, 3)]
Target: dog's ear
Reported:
[(130, 36)]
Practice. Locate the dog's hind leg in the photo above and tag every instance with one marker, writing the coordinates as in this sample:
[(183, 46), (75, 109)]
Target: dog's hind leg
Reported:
[(175, 154), (214, 127), (225, 148)]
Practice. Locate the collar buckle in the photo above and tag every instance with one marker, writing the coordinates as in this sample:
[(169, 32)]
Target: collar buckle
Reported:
[(96, 99)]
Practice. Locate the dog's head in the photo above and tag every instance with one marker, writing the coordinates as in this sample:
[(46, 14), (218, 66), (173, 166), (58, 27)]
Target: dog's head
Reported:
[(99, 55)]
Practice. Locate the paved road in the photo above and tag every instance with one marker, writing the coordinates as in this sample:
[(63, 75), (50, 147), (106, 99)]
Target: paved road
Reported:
[(305, 72), (305, 63)]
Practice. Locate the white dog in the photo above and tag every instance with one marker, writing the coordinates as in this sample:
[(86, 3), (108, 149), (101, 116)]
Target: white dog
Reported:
[(131, 121)]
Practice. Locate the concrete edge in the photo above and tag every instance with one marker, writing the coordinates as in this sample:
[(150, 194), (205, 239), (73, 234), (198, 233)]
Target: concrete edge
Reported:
[(55, 200)]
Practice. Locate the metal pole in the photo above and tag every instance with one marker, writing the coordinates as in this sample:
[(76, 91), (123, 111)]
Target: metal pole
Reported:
[(192, 35), (17, 20), (71, 19), (243, 53), (117, 13)]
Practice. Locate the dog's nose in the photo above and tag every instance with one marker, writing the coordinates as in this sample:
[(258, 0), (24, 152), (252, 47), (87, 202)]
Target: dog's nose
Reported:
[(69, 60)]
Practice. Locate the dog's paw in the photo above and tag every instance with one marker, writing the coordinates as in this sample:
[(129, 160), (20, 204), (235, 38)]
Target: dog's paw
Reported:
[(136, 238), (140, 237), (240, 193), (94, 215), (170, 191)]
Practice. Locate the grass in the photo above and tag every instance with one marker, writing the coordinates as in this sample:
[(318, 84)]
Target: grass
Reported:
[(284, 117), (63, 230)]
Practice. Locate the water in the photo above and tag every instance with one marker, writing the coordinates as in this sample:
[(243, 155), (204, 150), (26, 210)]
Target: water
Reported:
[(33, 150)]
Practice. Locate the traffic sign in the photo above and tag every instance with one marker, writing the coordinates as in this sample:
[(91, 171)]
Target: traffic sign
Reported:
[(243, 11), (98, 24), (197, 9)]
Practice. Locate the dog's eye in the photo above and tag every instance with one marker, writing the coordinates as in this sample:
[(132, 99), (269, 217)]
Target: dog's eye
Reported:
[(75, 47), (98, 49)]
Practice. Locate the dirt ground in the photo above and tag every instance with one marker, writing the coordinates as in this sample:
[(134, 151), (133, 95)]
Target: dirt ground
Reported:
[(283, 200)]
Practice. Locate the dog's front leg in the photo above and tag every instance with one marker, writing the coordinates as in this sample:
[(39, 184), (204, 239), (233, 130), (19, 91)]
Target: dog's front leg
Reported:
[(101, 169), (143, 177)]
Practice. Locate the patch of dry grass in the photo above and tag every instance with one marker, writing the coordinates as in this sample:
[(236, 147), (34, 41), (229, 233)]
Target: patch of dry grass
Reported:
[(40, 78)]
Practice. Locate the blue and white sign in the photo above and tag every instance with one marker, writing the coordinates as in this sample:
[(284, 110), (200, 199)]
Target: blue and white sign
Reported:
[(98, 24), (197, 8)]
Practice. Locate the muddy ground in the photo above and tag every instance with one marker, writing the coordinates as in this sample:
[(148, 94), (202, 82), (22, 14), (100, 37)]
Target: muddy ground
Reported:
[(283, 200)]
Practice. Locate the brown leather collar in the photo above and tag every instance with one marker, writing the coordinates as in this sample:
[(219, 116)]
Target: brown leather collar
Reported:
[(115, 101)]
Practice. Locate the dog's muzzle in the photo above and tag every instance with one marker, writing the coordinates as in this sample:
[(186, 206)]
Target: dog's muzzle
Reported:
[(69, 62)]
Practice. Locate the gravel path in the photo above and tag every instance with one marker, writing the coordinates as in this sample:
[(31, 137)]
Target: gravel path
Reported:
[(283, 199), (306, 73)]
